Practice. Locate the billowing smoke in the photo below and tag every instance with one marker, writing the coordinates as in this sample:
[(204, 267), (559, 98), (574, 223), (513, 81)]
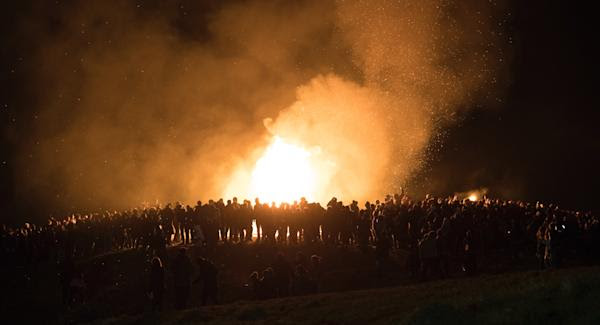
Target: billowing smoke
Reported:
[(147, 102), (419, 64)]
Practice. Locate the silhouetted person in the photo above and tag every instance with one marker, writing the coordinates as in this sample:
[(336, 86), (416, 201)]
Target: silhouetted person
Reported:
[(302, 284), (67, 273), (158, 243), (470, 261), (212, 224), (268, 287), (208, 274), (412, 261), (168, 221), (552, 245), (301, 259), (382, 251), (440, 233), (182, 274), (257, 214), (315, 270), (364, 229), (428, 254), (179, 222), (78, 287), (282, 274), (157, 283), (255, 284)]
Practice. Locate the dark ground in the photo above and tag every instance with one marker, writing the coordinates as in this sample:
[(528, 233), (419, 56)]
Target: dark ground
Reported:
[(568, 296), (117, 284)]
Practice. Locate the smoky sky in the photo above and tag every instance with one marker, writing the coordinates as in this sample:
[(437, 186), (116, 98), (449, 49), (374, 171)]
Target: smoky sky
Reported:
[(120, 103)]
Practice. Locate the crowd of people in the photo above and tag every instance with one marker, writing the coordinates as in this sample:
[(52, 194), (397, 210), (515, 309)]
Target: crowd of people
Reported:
[(433, 232)]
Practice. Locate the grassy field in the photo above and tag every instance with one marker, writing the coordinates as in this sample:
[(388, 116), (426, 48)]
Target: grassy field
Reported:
[(569, 296)]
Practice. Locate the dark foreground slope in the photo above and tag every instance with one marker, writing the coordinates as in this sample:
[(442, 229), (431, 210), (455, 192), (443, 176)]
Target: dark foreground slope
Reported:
[(570, 296)]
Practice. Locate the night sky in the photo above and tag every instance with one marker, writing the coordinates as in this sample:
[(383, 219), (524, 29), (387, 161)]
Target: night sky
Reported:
[(539, 142), (543, 142)]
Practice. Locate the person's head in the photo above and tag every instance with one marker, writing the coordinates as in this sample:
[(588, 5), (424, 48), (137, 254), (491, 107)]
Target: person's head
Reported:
[(156, 262), (267, 273), (315, 259), (253, 276)]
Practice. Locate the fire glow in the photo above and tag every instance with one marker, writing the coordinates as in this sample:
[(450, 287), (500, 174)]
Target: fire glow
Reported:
[(284, 173)]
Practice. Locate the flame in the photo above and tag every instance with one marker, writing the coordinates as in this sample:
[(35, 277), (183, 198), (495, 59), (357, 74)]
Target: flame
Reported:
[(284, 173), (286, 170), (473, 197)]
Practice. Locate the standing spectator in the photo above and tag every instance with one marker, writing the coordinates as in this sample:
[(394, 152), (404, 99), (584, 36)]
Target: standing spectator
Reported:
[(208, 274), (282, 275), (428, 254), (182, 274), (316, 271), (470, 262), (157, 283)]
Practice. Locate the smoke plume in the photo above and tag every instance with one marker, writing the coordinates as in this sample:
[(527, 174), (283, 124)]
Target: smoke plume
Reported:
[(167, 102)]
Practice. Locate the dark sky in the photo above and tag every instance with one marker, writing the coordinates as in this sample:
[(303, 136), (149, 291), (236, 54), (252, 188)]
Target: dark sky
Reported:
[(543, 141), (539, 143)]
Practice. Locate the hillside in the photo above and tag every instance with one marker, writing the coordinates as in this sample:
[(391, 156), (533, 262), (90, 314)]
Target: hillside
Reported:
[(569, 296)]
